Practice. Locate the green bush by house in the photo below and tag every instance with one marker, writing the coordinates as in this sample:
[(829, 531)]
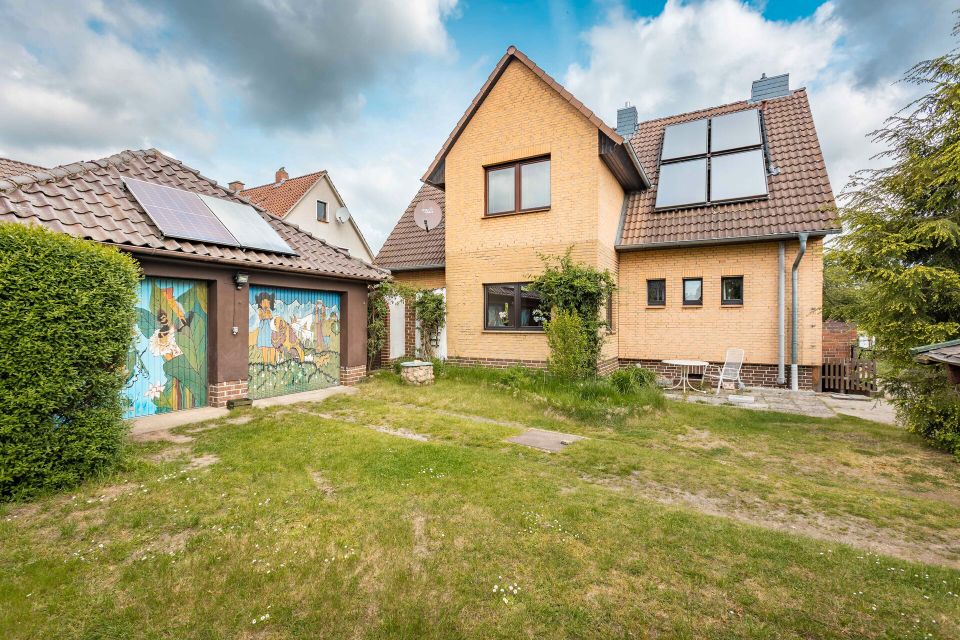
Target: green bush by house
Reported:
[(66, 312)]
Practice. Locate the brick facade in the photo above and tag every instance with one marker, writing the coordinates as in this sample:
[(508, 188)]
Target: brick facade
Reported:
[(839, 339), (218, 394), (497, 363), (352, 375), (753, 375)]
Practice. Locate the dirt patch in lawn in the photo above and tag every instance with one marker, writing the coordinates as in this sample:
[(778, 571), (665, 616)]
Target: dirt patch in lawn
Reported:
[(322, 484), (239, 420), (401, 433), (163, 435), (421, 547), (202, 462), (940, 547), (168, 454)]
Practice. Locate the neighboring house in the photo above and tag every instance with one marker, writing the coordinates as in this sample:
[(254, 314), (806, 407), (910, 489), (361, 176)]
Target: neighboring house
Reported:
[(234, 303), (10, 167), (310, 202), (703, 232)]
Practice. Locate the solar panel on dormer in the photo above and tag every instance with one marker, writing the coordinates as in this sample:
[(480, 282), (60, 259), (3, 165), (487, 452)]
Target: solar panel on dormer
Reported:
[(735, 176), (180, 214), (684, 139), (682, 183), (246, 225), (735, 130)]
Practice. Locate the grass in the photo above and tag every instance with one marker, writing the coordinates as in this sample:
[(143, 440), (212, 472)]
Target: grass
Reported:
[(671, 520)]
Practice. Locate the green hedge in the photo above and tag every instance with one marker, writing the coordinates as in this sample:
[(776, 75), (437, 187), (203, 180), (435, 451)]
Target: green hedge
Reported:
[(66, 312)]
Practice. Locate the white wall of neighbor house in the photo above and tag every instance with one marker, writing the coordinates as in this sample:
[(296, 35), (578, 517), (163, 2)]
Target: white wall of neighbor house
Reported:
[(339, 234)]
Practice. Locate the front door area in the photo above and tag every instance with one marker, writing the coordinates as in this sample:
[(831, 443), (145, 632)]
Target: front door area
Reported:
[(294, 341)]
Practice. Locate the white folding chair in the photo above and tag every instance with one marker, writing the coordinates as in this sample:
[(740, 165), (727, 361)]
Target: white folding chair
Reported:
[(730, 371)]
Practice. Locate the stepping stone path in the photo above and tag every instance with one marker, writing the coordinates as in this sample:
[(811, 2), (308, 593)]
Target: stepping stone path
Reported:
[(552, 441)]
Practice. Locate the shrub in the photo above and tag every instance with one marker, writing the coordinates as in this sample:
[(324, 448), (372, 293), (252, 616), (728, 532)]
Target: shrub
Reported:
[(65, 325), (930, 406), (570, 355), (431, 312)]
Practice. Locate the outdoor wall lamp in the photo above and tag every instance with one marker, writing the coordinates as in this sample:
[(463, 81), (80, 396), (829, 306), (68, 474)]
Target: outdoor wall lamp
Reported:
[(241, 279)]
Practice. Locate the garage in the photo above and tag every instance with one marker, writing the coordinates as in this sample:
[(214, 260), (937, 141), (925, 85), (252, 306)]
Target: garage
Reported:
[(167, 362), (294, 340)]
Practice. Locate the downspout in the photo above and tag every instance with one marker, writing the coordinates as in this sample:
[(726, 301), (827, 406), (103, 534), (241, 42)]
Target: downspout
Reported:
[(781, 288), (794, 348)]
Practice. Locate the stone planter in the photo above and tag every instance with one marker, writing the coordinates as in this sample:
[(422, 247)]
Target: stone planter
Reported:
[(417, 372)]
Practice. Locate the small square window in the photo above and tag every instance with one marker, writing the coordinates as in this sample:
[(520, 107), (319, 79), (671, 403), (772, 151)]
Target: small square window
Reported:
[(731, 290), (321, 211), (693, 291), (656, 293)]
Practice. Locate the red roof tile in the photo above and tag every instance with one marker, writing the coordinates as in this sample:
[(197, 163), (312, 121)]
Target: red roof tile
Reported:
[(800, 198), (279, 197), (89, 200), (409, 246)]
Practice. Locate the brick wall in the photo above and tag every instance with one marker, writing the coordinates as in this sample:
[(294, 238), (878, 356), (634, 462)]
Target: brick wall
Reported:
[(705, 332), (218, 394), (496, 363), (838, 339), (352, 375), (753, 375)]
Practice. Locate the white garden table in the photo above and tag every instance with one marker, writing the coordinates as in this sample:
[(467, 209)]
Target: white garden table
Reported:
[(686, 367)]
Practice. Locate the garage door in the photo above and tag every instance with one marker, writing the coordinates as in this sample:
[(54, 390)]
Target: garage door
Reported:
[(167, 363), (294, 341)]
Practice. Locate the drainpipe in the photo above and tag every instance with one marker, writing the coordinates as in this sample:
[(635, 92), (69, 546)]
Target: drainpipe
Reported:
[(794, 379), (781, 287)]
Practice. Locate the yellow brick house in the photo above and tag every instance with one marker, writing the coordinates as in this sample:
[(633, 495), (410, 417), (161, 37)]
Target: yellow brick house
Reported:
[(705, 218)]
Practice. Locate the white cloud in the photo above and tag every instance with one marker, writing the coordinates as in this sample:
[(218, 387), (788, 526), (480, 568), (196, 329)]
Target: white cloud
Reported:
[(700, 54)]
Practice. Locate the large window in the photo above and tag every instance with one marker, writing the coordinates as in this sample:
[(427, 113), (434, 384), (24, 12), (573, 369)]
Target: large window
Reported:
[(693, 291), (656, 293), (321, 211), (509, 307), (731, 290), (518, 187)]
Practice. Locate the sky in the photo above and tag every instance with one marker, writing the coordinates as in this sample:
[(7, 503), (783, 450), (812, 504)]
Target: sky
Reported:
[(370, 89)]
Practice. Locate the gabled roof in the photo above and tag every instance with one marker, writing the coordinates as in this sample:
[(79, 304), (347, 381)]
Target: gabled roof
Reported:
[(800, 198), (434, 174), (279, 198), (409, 247), (10, 168), (89, 200)]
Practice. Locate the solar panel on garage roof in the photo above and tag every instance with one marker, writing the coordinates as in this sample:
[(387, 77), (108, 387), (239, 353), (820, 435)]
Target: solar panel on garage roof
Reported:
[(246, 225), (180, 214)]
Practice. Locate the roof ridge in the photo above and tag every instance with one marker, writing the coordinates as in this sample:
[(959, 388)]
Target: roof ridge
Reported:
[(271, 184), (683, 114), (59, 172)]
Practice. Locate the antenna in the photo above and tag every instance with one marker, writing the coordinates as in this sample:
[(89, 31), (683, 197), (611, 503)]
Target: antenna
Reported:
[(342, 215), (428, 215)]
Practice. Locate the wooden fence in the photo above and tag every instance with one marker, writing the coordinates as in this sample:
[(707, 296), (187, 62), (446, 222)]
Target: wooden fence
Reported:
[(849, 375)]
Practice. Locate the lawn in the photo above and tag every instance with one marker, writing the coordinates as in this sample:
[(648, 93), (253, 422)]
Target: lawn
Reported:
[(402, 513)]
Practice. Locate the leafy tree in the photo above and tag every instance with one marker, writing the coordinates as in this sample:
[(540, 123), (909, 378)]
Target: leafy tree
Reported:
[(566, 285), (841, 292), (903, 245)]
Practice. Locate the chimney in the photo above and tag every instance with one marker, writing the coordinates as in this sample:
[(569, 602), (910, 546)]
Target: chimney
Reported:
[(281, 175), (627, 120), (236, 186), (766, 88)]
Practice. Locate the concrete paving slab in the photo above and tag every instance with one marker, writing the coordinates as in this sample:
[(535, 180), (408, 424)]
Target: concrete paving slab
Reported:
[(306, 396), (552, 441), (167, 421)]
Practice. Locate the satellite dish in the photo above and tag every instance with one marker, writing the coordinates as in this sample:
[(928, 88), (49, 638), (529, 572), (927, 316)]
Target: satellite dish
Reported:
[(427, 215), (343, 214)]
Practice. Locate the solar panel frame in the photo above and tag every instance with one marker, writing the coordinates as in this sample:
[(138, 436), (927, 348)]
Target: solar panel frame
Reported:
[(247, 225), (180, 214), (736, 130), (684, 139), (746, 166), (691, 171)]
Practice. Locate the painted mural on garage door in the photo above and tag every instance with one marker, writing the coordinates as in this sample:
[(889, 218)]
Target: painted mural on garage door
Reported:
[(294, 341), (167, 362)]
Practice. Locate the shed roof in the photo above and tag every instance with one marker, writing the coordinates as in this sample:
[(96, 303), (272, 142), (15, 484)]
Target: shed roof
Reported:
[(89, 200), (945, 352)]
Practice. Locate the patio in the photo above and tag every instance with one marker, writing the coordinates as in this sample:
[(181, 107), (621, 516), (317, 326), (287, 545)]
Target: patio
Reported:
[(808, 403)]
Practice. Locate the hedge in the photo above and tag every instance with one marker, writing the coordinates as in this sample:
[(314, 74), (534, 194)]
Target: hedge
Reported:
[(66, 312)]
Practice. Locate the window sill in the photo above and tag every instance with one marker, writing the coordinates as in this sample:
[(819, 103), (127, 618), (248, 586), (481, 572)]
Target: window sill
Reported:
[(731, 305), (656, 306), (514, 213), (692, 306), (538, 332)]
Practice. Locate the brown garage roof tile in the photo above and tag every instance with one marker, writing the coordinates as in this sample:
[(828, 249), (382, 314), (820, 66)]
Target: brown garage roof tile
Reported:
[(279, 197), (800, 198), (409, 246), (10, 167), (89, 200)]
